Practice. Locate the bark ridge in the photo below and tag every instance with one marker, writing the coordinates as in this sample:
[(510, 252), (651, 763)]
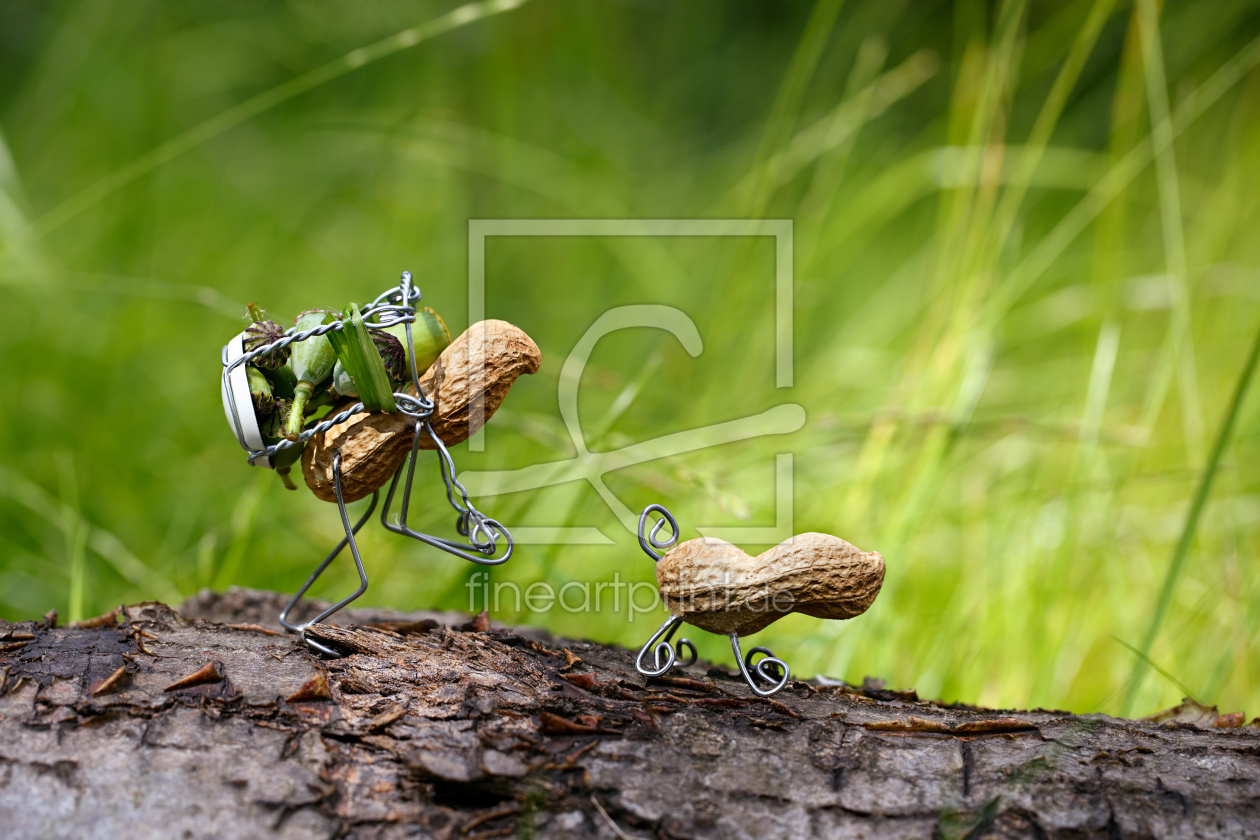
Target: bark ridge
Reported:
[(153, 723)]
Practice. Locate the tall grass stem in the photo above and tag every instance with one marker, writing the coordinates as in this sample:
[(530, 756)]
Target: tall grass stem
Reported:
[(1182, 550)]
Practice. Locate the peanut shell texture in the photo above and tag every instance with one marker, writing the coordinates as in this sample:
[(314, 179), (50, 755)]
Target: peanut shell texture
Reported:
[(467, 384), (719, 587)]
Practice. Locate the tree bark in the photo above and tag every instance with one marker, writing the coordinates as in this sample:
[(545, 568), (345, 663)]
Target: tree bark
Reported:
[(212, 724)]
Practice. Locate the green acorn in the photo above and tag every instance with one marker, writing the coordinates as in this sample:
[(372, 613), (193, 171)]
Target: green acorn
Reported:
[(429, 337), (261, 333), (312, 362)]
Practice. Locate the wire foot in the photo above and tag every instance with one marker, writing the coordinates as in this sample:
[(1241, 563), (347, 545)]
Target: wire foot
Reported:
[(661, 649), (770, 669)]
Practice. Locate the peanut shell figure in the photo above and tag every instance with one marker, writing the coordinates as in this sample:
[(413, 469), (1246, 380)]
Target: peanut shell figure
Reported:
[(394, 384), (719, 587)]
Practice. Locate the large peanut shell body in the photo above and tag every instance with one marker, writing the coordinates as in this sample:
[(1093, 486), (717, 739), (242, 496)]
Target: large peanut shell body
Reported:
[(721, 588), (467, 383)]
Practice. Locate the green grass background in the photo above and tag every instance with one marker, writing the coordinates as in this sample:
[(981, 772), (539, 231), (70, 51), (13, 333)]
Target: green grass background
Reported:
[(1027, 279)]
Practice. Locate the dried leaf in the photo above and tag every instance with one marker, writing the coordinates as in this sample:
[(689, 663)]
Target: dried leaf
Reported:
[(108, 619), (1189, 711), (316, 688), (721, 702), (386, 717), (253, 628), (700, 686), (584, 681), (1232, 720)]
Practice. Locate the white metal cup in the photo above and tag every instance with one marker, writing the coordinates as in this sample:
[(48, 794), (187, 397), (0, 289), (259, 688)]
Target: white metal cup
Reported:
[(245, 423)]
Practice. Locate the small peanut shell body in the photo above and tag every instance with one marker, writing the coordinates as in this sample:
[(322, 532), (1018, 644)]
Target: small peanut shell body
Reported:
[(467, 384), (721, 588)]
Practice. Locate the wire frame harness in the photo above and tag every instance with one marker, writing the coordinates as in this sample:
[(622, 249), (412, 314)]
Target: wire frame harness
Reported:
[(488, 542)]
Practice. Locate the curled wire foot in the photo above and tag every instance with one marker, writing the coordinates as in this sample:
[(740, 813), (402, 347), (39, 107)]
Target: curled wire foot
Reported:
[(691, 659), (662, 649), (670, 654), (664, 654), (769, 669)]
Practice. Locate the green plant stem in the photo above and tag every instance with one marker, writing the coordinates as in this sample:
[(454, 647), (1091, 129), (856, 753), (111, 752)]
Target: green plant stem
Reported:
[(301, 395), (1187, 532), (283, 462), (285, 479)]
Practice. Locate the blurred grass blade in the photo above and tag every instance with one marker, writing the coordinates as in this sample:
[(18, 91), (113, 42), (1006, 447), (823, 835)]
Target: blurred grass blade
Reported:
[(244, 518), (357, 352), (234, 116), (142, 287), (1052, 245), (1047, 119), (1101, 371), (79, 532), (1170, 216), (75, 531), (15, 245), (1201, 494), (842, 122), (787, 104), (1153, 665)]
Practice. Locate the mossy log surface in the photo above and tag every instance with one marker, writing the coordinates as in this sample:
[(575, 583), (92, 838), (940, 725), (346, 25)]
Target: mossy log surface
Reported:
[(209, 723)]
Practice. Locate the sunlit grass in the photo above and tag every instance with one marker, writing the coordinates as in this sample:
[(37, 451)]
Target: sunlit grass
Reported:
[(1026, 285)]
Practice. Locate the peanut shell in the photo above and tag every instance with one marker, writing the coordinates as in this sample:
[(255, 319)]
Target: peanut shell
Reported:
[(721, 588), (466, 394)]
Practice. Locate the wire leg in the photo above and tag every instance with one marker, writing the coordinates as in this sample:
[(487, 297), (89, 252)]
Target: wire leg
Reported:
[(349, 540), (772, 670), (484, 533), (660, 646)]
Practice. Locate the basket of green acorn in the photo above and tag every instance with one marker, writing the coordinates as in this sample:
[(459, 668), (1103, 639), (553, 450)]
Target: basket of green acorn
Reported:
[(278, 384), (336, 386)]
